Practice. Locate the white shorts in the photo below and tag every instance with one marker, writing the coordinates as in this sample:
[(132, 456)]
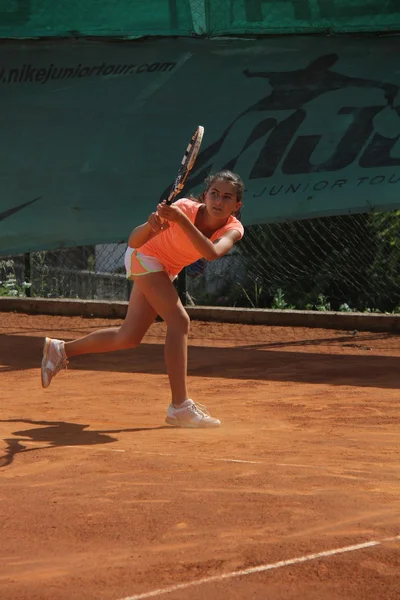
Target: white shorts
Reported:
[(137, 264)]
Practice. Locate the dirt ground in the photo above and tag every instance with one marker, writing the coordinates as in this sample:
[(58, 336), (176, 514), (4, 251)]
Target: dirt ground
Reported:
[(101, 500)]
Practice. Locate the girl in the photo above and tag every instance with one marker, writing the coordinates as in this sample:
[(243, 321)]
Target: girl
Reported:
[(173, 237)]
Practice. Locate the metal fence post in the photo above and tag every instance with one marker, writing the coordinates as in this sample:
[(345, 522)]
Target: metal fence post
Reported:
[(182, 286)]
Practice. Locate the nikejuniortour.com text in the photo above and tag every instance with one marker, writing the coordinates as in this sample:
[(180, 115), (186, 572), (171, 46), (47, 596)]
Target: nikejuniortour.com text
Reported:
[(28, 73)]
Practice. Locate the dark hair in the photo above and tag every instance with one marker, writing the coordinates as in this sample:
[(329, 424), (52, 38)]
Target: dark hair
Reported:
[(232, 178)]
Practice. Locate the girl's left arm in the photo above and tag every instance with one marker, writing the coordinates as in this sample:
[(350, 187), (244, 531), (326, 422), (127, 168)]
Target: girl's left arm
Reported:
[(225, 243), (208, 249)]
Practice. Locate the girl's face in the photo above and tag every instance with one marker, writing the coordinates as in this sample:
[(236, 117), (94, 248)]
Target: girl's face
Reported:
[(221, 200)]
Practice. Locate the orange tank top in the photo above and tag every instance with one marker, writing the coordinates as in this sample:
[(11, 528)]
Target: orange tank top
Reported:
[(174, 249)]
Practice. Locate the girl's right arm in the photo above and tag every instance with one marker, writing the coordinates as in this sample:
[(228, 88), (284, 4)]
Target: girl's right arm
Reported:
[(145, 232), (140, 235)]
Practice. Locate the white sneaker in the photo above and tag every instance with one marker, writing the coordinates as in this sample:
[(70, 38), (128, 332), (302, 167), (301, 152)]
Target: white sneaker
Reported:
[(190, 414), (54, 359)]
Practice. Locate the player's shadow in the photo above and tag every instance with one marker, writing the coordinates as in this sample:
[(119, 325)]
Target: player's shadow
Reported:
[(57, 434), (268, 361)]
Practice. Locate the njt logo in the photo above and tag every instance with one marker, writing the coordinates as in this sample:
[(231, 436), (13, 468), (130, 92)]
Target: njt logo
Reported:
[(312, 120)]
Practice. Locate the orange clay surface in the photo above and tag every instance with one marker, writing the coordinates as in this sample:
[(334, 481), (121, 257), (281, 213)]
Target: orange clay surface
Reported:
[(100, 500)]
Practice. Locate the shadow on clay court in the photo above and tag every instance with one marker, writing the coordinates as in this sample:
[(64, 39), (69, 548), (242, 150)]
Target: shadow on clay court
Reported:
[(267, 362), (56, 434)]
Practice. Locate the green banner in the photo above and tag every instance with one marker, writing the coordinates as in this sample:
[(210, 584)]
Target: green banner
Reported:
[(134, 18), (92, 134), (120, 18), (301, 16)]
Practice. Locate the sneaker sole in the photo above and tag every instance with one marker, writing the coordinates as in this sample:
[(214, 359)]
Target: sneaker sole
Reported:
[(176, 423), (44, 359)]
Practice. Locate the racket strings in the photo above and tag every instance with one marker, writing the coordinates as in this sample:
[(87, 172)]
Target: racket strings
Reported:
[(187, 163)]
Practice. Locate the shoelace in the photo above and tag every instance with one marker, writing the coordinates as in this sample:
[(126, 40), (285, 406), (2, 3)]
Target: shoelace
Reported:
[(61, 365), (200, 410)]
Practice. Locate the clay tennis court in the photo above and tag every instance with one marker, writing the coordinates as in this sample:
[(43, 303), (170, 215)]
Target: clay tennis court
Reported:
[(297, 495)]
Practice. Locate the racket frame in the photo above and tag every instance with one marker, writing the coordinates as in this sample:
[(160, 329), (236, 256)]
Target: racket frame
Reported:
[(187, 163)]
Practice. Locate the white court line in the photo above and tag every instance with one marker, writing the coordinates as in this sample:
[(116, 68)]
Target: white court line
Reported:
[(205, 458), (88, 446), (235, 460), (302, 466), (260, 569), (228, 460)]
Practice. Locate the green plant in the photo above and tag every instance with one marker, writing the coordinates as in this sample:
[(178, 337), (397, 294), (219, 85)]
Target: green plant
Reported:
[(91, 264), (9, 286), (323, 303), (279, 301), (40, 266), (345, 308), (257, 293)]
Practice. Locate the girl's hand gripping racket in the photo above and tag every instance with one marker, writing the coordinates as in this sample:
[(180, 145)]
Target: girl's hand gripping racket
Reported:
[(187, 163)]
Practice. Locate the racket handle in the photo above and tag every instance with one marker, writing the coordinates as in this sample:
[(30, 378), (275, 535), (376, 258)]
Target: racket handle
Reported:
[(172, 196)]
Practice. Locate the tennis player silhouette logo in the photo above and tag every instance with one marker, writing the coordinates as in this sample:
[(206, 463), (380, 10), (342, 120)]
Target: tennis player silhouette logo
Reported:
[(290, 93)]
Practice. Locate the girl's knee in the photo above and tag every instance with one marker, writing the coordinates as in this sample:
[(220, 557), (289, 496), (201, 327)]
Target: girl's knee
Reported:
[(128, 339), (180, 322), (187, 322)]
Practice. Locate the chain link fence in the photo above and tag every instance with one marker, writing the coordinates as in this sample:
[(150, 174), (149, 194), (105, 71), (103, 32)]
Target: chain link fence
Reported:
[(344, 263)]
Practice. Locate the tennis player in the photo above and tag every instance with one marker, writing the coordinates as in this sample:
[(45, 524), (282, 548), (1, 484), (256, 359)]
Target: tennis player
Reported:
[(175, 236)]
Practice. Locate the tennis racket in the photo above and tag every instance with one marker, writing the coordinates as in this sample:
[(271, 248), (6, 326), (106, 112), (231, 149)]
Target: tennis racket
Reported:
[(187, 163)]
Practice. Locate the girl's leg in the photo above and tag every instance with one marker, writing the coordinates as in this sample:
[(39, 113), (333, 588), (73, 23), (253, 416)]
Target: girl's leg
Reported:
[(139, 317), (161, 294)]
